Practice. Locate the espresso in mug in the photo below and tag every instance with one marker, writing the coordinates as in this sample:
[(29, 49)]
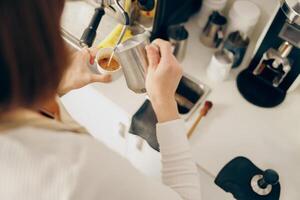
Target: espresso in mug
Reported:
[(112, 66)]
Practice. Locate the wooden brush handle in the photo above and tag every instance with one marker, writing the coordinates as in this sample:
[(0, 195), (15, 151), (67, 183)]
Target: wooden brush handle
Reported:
[(192, 129), (207, 106)]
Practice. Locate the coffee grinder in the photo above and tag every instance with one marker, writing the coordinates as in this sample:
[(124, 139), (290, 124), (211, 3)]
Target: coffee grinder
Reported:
[(276, 64)]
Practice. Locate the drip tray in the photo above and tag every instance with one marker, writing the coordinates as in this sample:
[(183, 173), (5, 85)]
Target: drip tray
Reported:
[(189, 96)]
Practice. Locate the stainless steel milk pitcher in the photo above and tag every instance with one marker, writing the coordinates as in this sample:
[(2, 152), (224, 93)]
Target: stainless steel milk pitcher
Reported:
[(133, 59)]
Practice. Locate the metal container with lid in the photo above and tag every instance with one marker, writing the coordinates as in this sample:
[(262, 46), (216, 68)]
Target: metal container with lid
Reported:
[(214, 30)]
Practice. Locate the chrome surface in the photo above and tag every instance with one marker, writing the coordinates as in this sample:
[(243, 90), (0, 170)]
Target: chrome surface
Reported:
[(258, 190), (78, 13), (198, 87), (76, 17), (291, 34), (291, 8), (180, 47), (71, 40), (214, 33), (133, 59), (112, 8)]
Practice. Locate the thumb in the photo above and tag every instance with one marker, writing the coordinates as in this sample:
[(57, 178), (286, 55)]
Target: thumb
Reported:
[(153, 56)]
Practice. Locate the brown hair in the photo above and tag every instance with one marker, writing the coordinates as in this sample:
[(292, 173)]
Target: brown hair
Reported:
[(33, 56)]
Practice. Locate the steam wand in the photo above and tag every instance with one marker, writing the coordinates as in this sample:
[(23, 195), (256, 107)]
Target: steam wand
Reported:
[(118, 42)]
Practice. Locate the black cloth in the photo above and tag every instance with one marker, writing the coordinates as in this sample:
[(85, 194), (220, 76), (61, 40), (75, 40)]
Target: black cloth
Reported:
[(143, 124)]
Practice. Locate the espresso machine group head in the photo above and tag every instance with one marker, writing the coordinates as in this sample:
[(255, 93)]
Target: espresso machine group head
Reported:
[(276, 64), (114, 8)]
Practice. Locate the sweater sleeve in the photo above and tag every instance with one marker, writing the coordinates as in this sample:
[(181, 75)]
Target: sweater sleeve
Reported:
[(179, 170)]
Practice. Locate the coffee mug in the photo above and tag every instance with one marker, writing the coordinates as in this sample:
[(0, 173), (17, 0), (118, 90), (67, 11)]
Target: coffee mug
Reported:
[(102, 58)]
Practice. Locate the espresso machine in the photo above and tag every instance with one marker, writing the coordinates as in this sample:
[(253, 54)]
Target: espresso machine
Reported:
[(143, 20), (276, 64), (154, 16)]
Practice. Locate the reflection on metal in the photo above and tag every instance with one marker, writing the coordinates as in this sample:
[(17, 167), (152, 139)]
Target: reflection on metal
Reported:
[(71, 40), (291, 8), (192, 87), (256, 188), (139, 22)]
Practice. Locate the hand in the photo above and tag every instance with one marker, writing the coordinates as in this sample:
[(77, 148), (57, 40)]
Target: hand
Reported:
[(163, 76), (78, 73)]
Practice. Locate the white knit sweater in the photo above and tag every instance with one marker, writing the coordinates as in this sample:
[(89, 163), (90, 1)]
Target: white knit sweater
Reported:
[(43, 164)]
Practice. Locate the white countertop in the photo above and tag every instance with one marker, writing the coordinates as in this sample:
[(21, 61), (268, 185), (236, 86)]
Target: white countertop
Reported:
[(234, 127)]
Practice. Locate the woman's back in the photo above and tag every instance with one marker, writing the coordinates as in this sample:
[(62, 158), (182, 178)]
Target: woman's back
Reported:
[(52, 160), (44, 164)]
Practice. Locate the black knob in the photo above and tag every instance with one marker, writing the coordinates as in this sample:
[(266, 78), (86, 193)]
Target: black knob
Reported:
[(270, 177), (146, 5)]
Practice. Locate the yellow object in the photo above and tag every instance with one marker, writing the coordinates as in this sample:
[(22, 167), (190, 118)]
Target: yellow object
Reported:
[(127, 5), (111, 39)]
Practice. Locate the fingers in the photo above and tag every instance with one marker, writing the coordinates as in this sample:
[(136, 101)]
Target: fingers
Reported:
[(165, 48), (153, 56), (93, 51), (90, 54), (100, 78)]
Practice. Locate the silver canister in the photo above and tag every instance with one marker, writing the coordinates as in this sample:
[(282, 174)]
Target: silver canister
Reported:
[(214, 30), (178, 36), (133, 59)]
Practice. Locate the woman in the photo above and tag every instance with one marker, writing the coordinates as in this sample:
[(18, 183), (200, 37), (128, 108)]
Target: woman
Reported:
[(43, 155)]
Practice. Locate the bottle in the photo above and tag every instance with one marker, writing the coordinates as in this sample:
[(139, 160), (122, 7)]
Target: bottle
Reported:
[(275, 65), (243, 17)]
